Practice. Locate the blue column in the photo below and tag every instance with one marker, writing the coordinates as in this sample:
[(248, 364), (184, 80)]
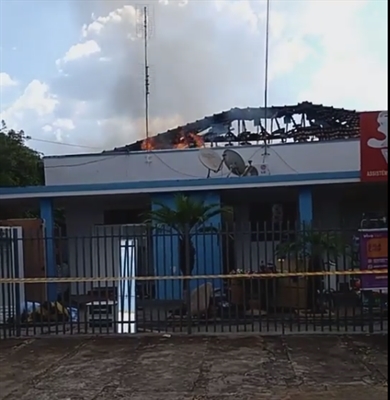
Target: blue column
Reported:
[(208, 253), (208, 246), (46, 208), (305, 206), (166, 254)]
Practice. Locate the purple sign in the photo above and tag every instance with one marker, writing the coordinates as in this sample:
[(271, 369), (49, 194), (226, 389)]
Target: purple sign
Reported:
[(374, 255)]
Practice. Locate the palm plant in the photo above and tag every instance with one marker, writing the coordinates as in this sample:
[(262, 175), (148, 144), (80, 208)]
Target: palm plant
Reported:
[(187, 218), (312, 247), (313, 244)]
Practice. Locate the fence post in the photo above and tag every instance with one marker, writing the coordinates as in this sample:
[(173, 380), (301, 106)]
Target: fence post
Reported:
[(18, 305), (370, 296), (188, 266)]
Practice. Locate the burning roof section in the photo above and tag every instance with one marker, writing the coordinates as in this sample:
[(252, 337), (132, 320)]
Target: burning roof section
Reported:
[(299, 123)]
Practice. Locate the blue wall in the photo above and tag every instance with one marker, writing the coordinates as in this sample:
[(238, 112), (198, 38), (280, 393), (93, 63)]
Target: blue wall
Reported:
[(305, 206), (46, 211), (208, 254)]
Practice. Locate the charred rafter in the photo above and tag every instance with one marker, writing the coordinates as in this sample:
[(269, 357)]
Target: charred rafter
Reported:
[(299, 123)]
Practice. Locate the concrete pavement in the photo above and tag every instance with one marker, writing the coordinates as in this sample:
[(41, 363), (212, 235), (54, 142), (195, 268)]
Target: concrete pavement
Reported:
[(183, 367)]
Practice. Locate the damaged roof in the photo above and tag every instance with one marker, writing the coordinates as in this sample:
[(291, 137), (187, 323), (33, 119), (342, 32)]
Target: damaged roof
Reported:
[(301, 122)]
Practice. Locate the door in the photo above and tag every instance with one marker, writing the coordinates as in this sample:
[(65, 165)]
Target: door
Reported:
[(33, 255)]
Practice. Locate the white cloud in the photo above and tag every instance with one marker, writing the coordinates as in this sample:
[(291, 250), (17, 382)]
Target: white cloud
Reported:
[(80, 50), (36, 100), (126, 13), (59, 128), (240, 12), (348, 75), (47, 128), (33, 111), (64, 124), (6, 80)]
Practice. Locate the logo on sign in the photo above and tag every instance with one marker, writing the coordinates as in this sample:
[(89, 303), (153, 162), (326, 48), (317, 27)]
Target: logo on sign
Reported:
[(380, 144), (374, 146)]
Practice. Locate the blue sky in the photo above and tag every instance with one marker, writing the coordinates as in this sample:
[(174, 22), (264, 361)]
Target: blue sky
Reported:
[(45, 31), (71, 72)]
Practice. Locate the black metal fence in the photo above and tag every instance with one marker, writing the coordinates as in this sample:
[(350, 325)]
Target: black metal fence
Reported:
[(132, 279)]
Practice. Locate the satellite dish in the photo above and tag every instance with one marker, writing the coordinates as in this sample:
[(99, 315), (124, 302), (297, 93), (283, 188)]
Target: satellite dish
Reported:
[(211, 160), (251, 170), (236, 164)]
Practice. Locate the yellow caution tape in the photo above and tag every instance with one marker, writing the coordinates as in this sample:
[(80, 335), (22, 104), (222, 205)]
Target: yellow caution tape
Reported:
[(188, 277)]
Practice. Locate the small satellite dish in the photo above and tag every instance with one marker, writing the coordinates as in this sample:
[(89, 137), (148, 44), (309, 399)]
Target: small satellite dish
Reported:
[(251, 170), (211, 160), (236, 164)]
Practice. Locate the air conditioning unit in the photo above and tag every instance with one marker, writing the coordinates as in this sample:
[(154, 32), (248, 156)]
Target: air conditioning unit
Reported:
[(102, 314)]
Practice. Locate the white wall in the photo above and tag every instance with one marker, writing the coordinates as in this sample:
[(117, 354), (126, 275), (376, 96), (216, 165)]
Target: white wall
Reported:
[(89, 253), (291, 158), (250, 255)]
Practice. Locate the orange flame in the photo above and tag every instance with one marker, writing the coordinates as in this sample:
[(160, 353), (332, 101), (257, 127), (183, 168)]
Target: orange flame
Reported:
[(198, 141), (183, 141), (188, 140), (148, 144)]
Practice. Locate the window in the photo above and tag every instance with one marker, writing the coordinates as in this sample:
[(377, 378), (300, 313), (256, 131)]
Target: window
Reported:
[(122, 217)]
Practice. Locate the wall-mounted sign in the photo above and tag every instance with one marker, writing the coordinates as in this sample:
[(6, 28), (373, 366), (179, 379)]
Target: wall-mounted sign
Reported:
[(374, 255), (373, 146)]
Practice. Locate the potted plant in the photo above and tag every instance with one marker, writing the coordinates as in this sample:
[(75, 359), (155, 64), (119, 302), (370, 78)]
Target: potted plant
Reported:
[(188, 217), (237, 288)]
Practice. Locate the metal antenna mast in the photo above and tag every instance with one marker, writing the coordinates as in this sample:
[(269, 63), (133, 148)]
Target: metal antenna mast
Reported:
[(266, 69), (147, 83), (144, 29)]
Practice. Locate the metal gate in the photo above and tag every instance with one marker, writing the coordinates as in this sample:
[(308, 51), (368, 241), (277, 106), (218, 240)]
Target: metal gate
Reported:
[(12, 295)]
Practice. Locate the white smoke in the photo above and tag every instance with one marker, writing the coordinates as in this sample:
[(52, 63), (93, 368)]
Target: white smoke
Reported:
[(204, 57)]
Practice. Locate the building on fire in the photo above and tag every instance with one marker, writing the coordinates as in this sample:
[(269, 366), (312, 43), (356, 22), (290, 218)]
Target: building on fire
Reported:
[(320, 165)]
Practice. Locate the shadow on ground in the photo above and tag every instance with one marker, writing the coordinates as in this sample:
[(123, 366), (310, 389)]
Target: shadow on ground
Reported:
[(177, 367)]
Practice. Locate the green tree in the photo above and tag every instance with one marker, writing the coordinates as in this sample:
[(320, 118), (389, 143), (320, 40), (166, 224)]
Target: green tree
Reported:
[(187, 218), (19, 164)]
